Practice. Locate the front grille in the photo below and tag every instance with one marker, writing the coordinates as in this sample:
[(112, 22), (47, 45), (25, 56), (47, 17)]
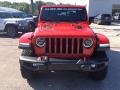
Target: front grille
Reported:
[(23, 23), (64, 45)]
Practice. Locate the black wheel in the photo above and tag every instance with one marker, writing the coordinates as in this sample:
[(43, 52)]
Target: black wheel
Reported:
[(99, 75), (109, 23), (11, 31), (26, 73), (98, 22), (31, 27)]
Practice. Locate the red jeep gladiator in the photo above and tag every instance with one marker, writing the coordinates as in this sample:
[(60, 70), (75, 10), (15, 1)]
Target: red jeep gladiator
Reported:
[(63, 40)]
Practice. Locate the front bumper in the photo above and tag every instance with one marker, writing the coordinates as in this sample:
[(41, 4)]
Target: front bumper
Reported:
[(36, 64), (23, 28), (103, 47), (105, 21)]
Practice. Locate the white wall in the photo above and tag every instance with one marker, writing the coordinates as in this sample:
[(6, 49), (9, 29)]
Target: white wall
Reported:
[(101, 6), (84, 2)]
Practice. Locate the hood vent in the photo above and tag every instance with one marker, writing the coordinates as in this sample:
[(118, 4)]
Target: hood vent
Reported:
[(79, 27)]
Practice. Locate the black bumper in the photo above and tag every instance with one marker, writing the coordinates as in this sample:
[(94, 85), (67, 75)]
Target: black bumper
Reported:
[(23, 28), (35, 64), (105, 21)]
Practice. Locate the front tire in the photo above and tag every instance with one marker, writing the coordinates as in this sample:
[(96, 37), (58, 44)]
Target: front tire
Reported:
[(11, 31), (99, 75), (26, 73), (109, 23)]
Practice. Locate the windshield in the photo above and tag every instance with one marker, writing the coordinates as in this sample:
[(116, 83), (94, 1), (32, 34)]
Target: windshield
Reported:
[(19, 15), (5, 15), (63, 14), (106, 15)]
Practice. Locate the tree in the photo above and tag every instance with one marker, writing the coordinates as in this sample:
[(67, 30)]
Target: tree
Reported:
[(49, 3), (25, 7)]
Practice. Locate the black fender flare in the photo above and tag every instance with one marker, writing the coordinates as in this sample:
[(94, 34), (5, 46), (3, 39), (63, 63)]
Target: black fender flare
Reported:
[(11, 24)]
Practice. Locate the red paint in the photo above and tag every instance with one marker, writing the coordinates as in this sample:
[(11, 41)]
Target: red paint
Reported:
[(102, 39), (64, 30), (26, 38)]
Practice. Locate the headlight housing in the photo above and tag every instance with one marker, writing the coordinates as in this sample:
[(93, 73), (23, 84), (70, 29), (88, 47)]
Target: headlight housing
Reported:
[(88, 43), (40, 42)]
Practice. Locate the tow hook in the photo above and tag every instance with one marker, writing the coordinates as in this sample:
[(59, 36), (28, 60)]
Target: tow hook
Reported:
[(88, 67), (85, 59), (43, 61)]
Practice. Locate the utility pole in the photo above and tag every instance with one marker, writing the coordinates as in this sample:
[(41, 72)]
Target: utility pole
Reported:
[(32, 8)]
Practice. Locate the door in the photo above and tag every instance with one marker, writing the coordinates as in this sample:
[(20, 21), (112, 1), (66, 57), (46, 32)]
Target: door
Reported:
[(2, 24), (97, 18)]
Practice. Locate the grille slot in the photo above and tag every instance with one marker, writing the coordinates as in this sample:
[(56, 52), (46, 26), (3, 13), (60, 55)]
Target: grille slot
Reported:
[(47, 45), (52, 45), (80, 45), (75, 45), (69, 45), (58, 45), (64, 45)]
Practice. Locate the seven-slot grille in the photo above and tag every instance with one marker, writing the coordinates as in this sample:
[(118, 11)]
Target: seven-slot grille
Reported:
[(64, 45)]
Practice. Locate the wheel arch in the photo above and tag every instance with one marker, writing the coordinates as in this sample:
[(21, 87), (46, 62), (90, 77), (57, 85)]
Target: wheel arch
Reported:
[(103, 42), (31, 22), (10, 24), (25, 40), (102, 39)]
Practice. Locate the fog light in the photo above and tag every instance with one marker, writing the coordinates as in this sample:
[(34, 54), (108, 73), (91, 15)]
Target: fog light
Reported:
[(34, 64), (82, 66), (93, 65)]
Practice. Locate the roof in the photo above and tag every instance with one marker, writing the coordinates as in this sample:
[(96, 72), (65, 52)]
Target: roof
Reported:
[(72, 6), (3, 11), (8, 9)]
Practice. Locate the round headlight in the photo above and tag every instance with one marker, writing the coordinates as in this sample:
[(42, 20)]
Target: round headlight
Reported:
[(88, 43), (40, 42)]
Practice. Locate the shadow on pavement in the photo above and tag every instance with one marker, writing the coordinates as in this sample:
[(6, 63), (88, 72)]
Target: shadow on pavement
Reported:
[(63, 81), (115, 24), (79, 80), (4, 35), (116, 29)]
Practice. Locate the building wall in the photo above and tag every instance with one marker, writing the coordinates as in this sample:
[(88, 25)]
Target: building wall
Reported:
[(85, 3), (101, 6)]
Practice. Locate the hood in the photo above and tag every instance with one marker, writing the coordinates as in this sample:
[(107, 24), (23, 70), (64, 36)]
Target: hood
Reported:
[(18, 21), (29, 18), (14, 19), (64, 29)]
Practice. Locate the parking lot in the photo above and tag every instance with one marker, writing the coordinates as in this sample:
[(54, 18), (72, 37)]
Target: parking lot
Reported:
[(10, 77)]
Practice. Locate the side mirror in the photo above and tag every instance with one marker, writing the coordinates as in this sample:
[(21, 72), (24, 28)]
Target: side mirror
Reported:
[(91, 19)]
